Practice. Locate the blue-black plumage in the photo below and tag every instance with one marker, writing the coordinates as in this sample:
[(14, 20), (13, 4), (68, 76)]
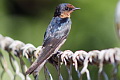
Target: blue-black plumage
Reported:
[(55, 35)]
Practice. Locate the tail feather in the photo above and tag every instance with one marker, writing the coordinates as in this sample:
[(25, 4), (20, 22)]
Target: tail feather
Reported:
[(39, 63), (37, 70)]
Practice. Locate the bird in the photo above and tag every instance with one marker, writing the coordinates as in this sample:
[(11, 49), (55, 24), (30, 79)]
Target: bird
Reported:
[(55, 35)]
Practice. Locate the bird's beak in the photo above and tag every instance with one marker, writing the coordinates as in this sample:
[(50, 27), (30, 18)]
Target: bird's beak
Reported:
[(76, 9)]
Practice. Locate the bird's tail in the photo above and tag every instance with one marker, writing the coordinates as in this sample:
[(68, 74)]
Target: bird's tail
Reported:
[(37, 70), (41, 60)]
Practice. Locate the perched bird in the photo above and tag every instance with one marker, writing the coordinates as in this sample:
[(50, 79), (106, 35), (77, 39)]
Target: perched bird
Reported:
[(55, 35)]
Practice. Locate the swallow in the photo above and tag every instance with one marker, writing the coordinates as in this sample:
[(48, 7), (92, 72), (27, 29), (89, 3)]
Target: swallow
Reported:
[(55, 35)]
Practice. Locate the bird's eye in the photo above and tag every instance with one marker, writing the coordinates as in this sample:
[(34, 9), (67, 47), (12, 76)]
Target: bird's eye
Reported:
[(67, 8)]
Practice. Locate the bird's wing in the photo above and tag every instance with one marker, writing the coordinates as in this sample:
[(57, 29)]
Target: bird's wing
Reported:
[(46, 53)]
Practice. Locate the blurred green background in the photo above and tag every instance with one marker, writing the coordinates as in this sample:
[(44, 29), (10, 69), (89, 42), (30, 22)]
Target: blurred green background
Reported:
[(93, 26)]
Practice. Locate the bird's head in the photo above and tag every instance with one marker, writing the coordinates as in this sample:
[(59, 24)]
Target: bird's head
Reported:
[(64, 10)]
